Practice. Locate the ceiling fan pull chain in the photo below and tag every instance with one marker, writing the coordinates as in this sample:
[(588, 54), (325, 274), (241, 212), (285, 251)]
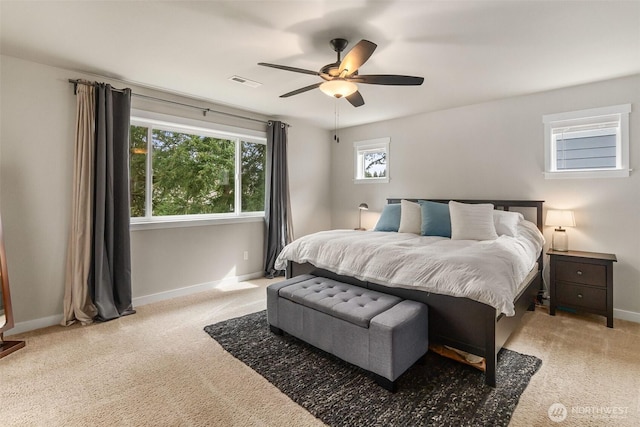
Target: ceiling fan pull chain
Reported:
[(336, 116)]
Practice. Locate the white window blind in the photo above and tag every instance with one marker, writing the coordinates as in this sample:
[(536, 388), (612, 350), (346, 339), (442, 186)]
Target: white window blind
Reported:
[(591, 148)]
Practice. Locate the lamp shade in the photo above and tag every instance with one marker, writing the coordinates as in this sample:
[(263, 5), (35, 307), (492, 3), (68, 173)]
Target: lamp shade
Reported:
[(363, 206), (338, 88), (559, 218)]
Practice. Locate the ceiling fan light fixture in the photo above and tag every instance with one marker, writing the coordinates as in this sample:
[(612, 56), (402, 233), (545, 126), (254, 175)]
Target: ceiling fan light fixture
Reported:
[(338, 88), (341, 76)]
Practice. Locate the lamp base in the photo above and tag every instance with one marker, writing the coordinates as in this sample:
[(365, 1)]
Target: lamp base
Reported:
[(560, 240)]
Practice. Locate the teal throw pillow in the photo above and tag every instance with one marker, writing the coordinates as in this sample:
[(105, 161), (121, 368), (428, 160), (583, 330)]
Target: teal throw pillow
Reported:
[(389, 219), (435, 219)]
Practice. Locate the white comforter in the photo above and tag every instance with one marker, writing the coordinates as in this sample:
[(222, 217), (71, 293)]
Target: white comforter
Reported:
[(486, 271)]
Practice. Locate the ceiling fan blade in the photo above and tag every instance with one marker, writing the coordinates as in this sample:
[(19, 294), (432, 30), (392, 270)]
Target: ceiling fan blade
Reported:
[(286, 68), (357, 56), (387, 79), (356, 99), (301, 90)]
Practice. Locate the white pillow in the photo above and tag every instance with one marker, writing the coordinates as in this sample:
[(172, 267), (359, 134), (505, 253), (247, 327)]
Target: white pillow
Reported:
[(472, 221), (506, 222), (410, 217)]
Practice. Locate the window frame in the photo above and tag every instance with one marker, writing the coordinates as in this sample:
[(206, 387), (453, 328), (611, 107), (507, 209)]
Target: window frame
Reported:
[(585, 119), (359, 148), (179, 124)]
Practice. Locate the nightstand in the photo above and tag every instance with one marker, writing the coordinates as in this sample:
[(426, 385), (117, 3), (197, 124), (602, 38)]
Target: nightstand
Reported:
[(582, 281)]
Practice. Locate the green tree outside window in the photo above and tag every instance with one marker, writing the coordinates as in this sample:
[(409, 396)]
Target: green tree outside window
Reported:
[(194, 174)]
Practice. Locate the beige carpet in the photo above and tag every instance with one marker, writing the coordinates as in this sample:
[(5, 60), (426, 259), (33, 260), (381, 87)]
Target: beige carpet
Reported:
[(587, 367), (159, 368)]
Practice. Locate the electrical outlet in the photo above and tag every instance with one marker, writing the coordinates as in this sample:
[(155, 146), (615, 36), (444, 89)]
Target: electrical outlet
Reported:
[(246, 255)]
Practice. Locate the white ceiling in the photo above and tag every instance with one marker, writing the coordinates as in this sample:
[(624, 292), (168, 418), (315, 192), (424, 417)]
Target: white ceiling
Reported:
[(467, 51)]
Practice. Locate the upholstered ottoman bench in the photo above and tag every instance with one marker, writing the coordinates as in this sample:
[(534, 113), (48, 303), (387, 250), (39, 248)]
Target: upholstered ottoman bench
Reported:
[(380, 333)]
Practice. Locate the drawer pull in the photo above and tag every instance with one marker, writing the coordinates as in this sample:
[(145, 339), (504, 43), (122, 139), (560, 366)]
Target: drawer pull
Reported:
[(579, 273), (580, 296)]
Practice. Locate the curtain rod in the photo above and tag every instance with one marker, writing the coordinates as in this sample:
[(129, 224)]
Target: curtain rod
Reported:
[(204, 110)]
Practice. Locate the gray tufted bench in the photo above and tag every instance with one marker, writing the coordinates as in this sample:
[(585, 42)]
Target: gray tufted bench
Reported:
[(380, 333)]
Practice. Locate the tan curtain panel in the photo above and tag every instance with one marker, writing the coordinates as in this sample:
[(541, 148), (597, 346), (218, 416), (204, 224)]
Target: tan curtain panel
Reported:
[(77, 300)]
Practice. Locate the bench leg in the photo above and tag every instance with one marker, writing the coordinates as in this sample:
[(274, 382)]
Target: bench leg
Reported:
[(276, 330), (422, 361), (385, 383)]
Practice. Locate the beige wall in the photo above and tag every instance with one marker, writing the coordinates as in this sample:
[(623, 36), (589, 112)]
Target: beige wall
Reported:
[(37, 119), (309, 178), (495, 150)]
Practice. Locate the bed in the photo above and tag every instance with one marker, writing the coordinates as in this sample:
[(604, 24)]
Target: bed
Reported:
[(471, 324)]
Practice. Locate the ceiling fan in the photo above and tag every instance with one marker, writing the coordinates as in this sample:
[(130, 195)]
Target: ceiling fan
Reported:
[(340, 77)]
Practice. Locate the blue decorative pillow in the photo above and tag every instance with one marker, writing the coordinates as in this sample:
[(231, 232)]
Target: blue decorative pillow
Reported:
[(389, 219), (435, 219)]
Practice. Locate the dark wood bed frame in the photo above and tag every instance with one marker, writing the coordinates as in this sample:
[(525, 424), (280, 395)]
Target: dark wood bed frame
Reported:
[(461, 323)]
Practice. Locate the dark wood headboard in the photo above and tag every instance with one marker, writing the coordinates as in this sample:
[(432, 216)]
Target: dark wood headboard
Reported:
[(498, 204)]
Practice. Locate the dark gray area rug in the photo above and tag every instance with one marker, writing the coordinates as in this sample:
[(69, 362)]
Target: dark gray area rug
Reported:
[(439, 392)]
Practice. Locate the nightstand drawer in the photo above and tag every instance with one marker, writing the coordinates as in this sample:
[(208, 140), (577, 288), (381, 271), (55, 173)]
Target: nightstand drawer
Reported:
[(581, 296), (579, 272)]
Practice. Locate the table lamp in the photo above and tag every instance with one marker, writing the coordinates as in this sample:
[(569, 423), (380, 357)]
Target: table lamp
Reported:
[(557, 218), (362, 207)]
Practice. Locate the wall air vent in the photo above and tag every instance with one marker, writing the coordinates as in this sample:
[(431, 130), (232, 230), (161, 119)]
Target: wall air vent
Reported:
[(244, 81)]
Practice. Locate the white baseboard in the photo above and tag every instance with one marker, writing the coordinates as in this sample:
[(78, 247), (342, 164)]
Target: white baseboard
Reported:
[(34, 324), (180, 292), (43, 322), (631, 316)]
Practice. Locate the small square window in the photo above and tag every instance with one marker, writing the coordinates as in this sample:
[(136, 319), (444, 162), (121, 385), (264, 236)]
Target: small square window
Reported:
[(371, 159), (587, 144)]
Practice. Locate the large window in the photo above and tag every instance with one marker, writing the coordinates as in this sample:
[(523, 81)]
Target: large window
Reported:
[(185, 172), (588, 143), (371, 161)]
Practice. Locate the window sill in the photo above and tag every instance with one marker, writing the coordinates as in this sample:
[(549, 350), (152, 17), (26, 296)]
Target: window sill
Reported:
[(143, 224), (618, 173), (371, 181)]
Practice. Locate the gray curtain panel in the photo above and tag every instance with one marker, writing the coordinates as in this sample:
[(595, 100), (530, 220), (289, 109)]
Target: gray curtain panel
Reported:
[(277, 212), (110, 277)]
